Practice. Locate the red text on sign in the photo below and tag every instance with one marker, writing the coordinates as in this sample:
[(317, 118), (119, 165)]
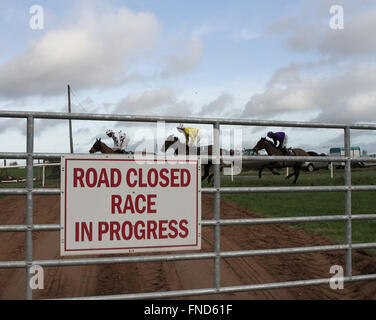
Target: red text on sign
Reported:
[(133, 204)]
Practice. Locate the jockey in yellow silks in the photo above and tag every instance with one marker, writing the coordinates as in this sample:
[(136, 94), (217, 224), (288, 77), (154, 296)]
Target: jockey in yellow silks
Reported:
[(191, 135)]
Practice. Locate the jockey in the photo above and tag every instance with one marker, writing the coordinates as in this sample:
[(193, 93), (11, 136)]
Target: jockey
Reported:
[(191, 133), (280, 140), (121, 140)]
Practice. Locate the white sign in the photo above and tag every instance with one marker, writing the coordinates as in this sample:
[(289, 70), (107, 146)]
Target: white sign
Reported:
[(116, 204)]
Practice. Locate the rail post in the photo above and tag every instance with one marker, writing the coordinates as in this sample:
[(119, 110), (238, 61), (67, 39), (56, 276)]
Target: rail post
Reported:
[(43, 176), (348, 202), (29, 205), (217, 205)]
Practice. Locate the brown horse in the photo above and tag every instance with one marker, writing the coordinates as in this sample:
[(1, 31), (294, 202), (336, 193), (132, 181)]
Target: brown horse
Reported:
[(271, 150), (183, 149), (100, 146)]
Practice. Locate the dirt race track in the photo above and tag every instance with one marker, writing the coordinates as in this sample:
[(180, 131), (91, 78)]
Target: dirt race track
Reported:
[(165, 276)]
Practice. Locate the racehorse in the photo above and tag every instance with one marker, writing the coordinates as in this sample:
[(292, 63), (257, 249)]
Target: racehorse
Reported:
[(100, 146), (183, 149), (271, 150)]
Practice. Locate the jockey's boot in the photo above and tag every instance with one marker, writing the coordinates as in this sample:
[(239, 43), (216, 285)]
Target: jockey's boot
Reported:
[(284, 151)]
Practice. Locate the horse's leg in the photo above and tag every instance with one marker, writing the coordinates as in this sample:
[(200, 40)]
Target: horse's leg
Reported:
[(272, 171), (291, 174), (297, 171), (211, 176), (271, 166), (206, 171), (207, 174), (260, 171), (211, 179)]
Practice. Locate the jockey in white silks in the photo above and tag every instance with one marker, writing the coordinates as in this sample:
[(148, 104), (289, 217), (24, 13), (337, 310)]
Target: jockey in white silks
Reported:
[(120, 139)]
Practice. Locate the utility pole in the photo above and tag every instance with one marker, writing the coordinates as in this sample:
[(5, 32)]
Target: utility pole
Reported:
[(70, 121)]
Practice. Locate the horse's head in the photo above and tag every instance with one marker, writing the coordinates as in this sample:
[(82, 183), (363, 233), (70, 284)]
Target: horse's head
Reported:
[(96, 146), (171, 139), (260, 145)]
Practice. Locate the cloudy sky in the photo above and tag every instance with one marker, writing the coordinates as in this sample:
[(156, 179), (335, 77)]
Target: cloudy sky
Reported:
[(270, 60)]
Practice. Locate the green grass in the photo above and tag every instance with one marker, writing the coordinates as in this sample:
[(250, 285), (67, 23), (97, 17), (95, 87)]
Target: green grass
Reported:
[(20, 173), (16, 173), (298, 204)]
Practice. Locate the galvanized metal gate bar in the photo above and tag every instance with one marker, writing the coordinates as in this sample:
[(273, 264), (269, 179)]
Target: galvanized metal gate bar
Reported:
[(29, 206), (216, 222), (229, 289), (217, 206), (18, 155), (185, 256), (348, 211), (213, 121)]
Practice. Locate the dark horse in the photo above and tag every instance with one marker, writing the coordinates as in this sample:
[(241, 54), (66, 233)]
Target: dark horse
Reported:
[(273, 151), (183, 149)]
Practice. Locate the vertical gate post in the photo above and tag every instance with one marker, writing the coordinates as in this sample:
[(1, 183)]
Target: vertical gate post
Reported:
[(29, 205), (217, 205), (348, 203)]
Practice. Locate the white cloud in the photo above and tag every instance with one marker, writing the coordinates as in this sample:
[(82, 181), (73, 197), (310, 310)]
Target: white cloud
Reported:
[(276, 101), (286, 75), (354, 40), (93, 53), (187, 60), (166, 101), (362, 102), (181, 108), (308, 30), (348, 96), (12, 125), (218, 106), (339, 85), (104, 47), (146, 102)]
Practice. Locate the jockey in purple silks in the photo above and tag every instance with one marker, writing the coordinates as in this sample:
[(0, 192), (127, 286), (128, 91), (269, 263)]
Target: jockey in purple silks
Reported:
[(279, 139)]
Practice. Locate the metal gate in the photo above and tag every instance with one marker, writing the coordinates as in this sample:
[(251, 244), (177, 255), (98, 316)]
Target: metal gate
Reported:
[(216, 222)]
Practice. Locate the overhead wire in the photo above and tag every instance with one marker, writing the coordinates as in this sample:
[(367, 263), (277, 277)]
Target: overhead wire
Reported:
[(79, 103)]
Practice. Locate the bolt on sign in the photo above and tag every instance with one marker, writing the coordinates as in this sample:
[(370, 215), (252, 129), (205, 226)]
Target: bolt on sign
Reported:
[(118, 204)]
